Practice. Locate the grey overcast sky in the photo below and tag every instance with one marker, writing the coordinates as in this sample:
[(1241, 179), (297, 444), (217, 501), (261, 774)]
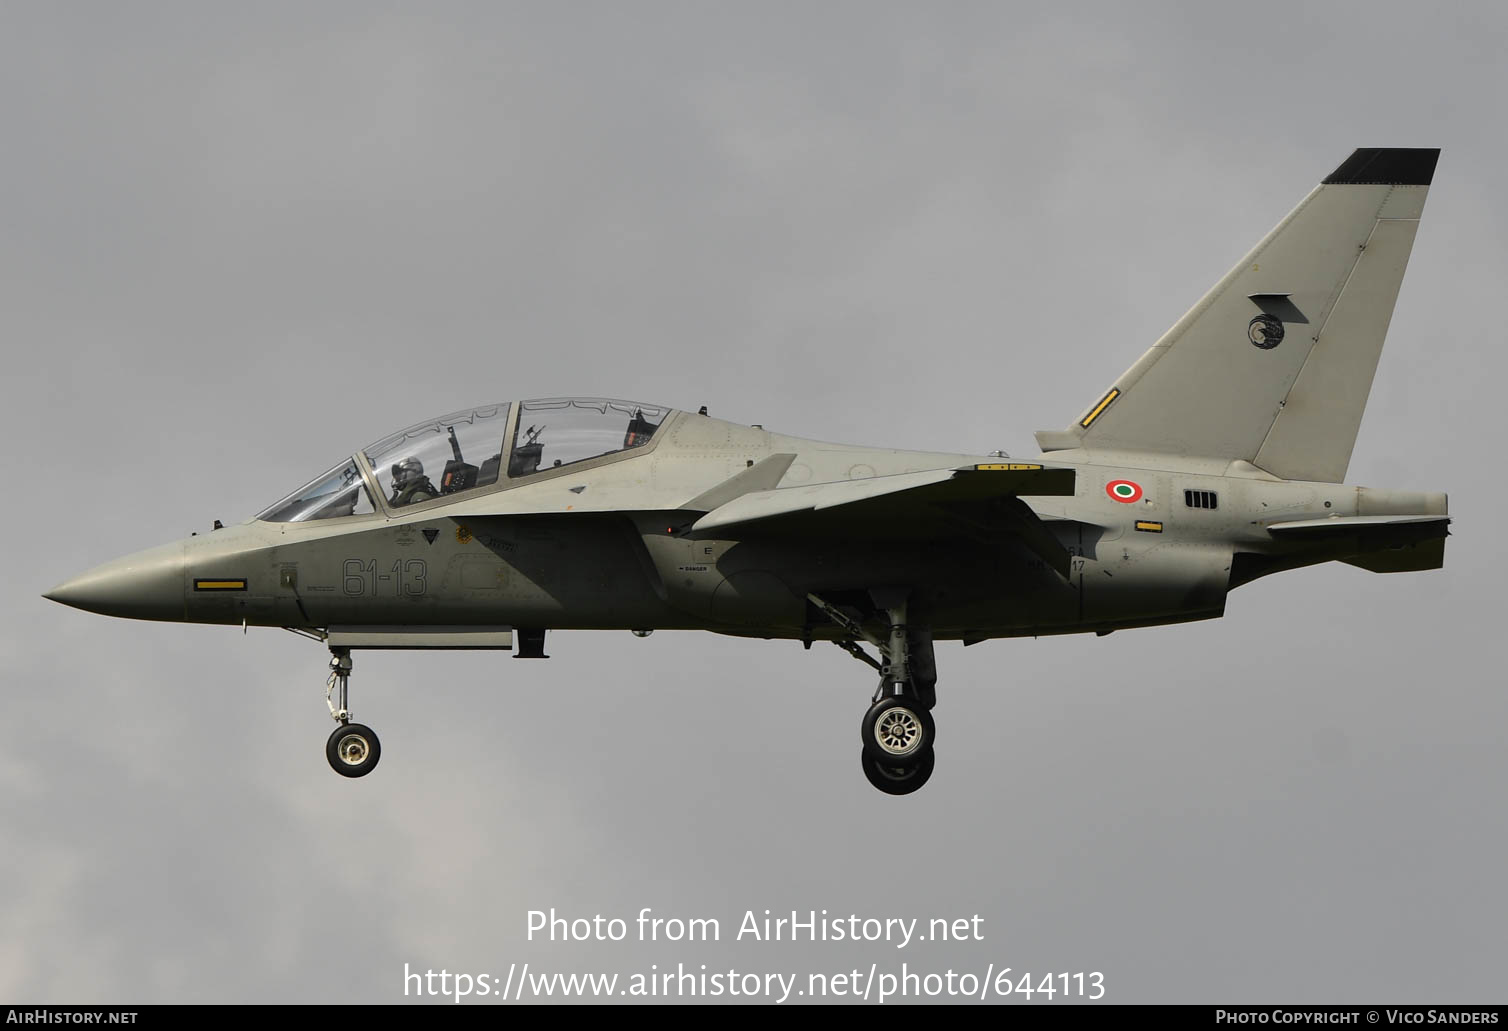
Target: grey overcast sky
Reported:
[(239, 241)]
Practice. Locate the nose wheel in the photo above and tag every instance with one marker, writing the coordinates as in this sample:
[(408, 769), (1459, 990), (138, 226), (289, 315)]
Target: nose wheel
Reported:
[(353, 749)]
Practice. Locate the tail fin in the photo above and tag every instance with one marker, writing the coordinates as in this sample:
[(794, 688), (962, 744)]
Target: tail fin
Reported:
[(1274, 365)]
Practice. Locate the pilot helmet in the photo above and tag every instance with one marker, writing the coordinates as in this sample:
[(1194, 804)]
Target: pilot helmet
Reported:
[(407, 470)]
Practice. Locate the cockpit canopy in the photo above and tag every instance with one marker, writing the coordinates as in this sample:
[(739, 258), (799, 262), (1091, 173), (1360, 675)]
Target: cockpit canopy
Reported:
[(564, 430), (460, 452), (464, 452)]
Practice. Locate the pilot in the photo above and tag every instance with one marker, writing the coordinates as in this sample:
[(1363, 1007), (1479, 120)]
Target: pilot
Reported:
[(410, 485)]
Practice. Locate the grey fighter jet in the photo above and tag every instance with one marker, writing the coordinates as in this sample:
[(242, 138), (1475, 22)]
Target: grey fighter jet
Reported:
[(1217, 458)]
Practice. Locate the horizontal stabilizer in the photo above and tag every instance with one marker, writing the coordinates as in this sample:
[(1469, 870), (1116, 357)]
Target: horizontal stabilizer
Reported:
[(1409, 558), (1339, 525), (1382, 544)]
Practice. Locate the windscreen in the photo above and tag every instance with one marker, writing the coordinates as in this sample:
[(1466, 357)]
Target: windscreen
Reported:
[(339, 492)]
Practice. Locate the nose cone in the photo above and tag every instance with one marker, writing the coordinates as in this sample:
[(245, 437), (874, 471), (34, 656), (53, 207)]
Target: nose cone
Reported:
[(146, 585)]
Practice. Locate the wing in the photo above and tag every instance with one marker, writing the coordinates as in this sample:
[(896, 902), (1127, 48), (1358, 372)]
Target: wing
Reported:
[(982, 501)]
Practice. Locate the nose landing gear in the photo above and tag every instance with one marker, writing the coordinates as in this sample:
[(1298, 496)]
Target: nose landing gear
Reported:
[(353, 749)]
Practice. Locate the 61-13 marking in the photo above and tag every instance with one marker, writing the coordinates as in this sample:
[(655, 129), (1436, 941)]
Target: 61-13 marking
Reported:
[(406, 578)]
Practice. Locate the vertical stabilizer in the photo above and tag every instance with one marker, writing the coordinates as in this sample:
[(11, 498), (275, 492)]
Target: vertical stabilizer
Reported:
[(1273, 366)]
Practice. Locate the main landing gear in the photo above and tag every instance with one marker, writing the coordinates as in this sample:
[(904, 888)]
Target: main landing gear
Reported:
[(353, 750), (897, 731)]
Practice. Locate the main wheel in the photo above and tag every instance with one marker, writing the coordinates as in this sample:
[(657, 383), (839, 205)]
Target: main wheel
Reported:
[(897, 730), (353, 750), (899, 780)]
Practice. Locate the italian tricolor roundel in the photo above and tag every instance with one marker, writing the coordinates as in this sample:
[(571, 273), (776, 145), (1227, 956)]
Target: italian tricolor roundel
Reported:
[(1125, 491)]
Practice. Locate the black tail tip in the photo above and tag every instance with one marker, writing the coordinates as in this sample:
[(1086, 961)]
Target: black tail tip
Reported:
[(1395, 166)]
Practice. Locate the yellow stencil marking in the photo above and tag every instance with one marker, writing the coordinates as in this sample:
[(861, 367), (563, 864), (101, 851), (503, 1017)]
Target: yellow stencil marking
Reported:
[(1100, 408)]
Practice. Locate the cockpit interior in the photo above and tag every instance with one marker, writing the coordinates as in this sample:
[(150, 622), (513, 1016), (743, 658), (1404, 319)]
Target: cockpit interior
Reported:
[(464, 451)]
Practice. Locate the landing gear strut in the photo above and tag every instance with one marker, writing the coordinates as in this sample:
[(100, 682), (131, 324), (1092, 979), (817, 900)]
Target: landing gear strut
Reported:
[(353, 749), (897, 731)]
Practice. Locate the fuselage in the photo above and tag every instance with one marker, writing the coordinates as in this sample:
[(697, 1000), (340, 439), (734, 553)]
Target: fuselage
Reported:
[(605, 544)]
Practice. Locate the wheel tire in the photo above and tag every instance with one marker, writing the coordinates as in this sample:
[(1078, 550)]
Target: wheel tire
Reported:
[(897, 730), (899, 780), (353, 750)]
